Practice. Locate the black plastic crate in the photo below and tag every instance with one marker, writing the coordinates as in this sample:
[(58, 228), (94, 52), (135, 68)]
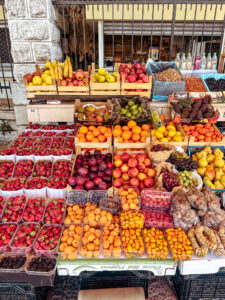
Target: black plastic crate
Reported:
[(114, 279), (194, 287)]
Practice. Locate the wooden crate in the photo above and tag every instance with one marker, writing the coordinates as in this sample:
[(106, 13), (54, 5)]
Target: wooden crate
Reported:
[(107, 103), (51, 112), (221, 109), (33, 90), (193, 143), (131, 145), (106, 88), (93, 145), (184, 143), (77, 90)]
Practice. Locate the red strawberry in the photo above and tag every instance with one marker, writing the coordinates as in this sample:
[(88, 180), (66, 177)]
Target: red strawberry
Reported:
[(23, 168), (57, 183), (14, 209), (44, 240), (42, 168), (34, 210), (62, 168), (55, 208), (6, 169), (13, 184)]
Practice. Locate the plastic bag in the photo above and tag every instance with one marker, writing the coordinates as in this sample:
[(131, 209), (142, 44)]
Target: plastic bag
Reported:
[(180, 201), (185, 219), (197, 199), (212, 200), (214, 219)]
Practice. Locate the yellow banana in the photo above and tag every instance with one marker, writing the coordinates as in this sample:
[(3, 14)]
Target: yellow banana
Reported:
[(56, 72), (52, 72), (66, 69), (54, 63), (70, 68), (60, 72)]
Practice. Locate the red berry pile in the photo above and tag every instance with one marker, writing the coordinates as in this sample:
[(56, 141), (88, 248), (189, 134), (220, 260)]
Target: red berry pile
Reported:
[(23, 152), (47, 239), (62, 168), (37, 133), (62, 151), (170, 180), (156, 199), (7, 151), (69, 143), (14, 209), (45, 143), (57, 143), (157, 218), (6, 234), (55, 212), (23, 168), (6, 169), (34, 210), (13, 184), (49, 133), (42, 168), (42, 152), (57, 183), (36, 183), (2, 203), (18, 143), (31, 142)]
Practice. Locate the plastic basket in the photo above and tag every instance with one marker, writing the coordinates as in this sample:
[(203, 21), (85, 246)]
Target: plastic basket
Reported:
[(195, 287), (16, 291)]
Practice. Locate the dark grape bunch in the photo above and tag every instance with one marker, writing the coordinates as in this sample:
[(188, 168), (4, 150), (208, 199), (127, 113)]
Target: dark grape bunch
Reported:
[(183, 163), (170, 180), (158, 148)]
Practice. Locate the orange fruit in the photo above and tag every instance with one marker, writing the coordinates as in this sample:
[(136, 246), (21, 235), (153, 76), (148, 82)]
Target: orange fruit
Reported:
[(126, 135), (143, 139), (145, 133), (95, 140), (120, 139), (83, 129), (117, 132), (162, 117), (125, 128), (91, 128), (131, 124), (136, 137), (89, 136), (117, 127), (108, 133), (96, 132), (145, 127), (102, 138), (102, 129), (82, 140), (136, 129)]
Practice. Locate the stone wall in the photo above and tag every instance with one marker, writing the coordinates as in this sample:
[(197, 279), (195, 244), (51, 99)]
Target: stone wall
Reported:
[(34, 38)]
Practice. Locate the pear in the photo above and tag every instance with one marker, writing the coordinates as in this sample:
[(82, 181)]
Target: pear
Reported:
[(194, 157), (218, 153), (208, 182), (101, 78), (201, 171), (90, 108), (210, 173), (199, 155), (222, 180), (219, 162), (203, 162), (208, 150), (210, 158), (219, 174), (218, 185)]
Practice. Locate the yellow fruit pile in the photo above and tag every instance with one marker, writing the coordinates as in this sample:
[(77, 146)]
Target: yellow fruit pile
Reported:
[(103, 76), (167, 133)]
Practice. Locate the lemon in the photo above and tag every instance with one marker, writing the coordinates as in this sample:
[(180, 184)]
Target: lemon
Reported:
[(44, 76), (48, 80), (177, 138), (178, 133), (171, 127), (37, 80), (153, 132), (164, 140), (159, 135), (172, 133), (161, 129)]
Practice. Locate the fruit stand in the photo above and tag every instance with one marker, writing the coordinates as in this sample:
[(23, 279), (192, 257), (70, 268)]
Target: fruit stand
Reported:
[(116, 186)]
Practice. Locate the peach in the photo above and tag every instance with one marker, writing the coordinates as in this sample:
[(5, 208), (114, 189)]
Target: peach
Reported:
[(117, 173), (134, 182), (124, 168), (118, 163), (140, 157), (141, 167), (148, 182), (141, 176), (133, 172), (150, 172), (147, 162), (118, 182), (132, 162), (125, 177)]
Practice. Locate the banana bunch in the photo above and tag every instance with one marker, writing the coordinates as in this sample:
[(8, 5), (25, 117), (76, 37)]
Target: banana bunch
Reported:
[(156, 121), (53, 69), (67, 69)]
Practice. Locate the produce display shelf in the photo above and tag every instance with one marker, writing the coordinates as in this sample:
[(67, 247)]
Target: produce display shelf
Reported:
[(157, 267), (209, 264)]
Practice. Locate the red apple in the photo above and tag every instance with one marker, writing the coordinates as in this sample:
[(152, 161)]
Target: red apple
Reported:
[(63, 82), (124, 168), (141, 176), (118, 182), (134, 182), (140, 157), (131, 78), (79, 75), (150, 172), (70, 84), (75, 82), (147, 162), (132, 162), (117, 173), (141, 167), (123, 74), (125, 156), (125, 177), (146, 78), (148, 182)]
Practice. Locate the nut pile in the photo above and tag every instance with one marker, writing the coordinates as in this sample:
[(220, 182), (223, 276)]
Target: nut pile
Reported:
[(168, 75)]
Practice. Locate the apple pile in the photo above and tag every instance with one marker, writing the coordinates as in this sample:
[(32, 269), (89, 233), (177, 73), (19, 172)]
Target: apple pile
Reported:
[(55, 212), (47, 239), (14, 209), (13, 184), (134, 73), (92, 171), (36, 183), (42, 168), (58, 183), (25, 236), (133, 169), (62, 168), (6, 234), (79, 78), (34, 210), (23, 169), (6, 169)]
